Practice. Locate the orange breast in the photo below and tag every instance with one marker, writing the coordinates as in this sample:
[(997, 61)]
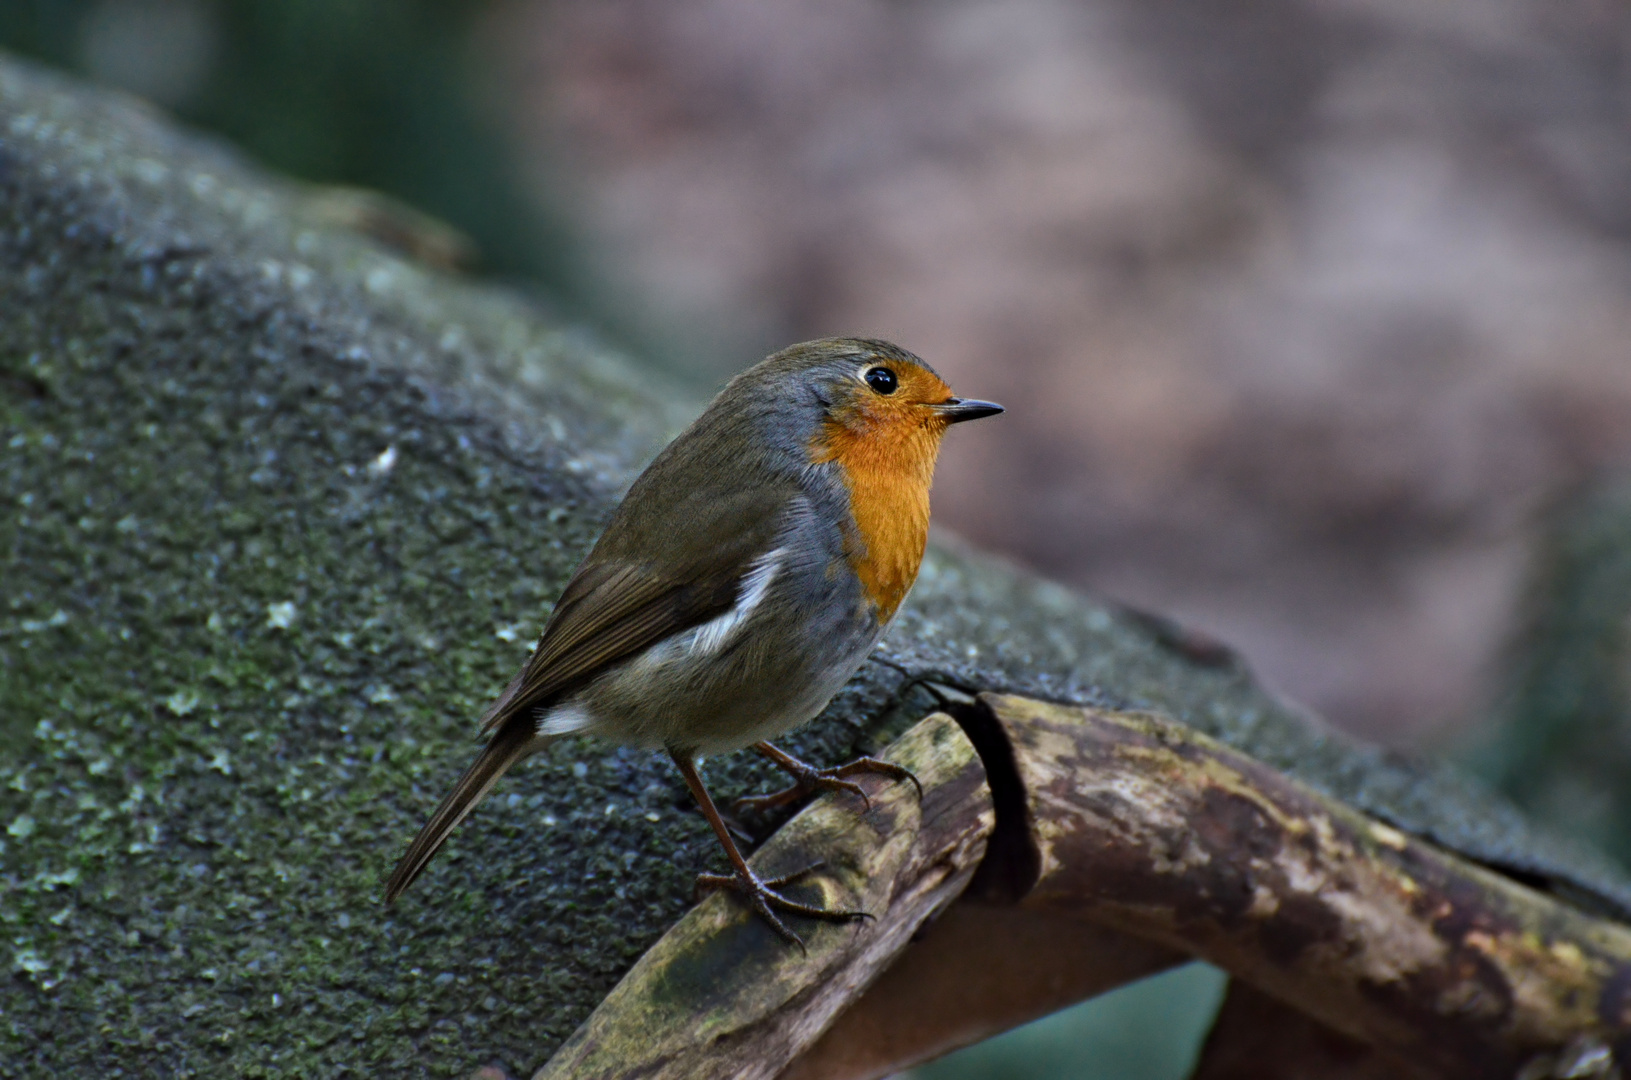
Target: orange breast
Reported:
[(888, 468)]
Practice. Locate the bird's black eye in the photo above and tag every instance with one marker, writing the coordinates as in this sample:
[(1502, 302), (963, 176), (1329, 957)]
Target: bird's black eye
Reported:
[(882, 380)]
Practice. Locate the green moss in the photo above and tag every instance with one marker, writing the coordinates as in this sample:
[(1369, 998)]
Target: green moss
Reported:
[(258, 583), (265, 660)]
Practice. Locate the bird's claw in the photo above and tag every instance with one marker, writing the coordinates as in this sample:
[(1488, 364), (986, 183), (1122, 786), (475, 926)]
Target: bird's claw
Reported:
[(895, 772), (761, 895), (807, 779), (823, 780)]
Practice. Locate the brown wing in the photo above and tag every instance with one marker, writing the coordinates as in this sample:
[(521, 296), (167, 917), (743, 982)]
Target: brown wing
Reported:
[(615, 606)]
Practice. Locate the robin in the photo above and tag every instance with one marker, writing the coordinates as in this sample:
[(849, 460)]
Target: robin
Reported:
[(740, 583)]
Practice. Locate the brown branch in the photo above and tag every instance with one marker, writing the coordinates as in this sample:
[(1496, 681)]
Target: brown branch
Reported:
[(1145, 842), (978, 971), (1145, 826), (1256, 1037)]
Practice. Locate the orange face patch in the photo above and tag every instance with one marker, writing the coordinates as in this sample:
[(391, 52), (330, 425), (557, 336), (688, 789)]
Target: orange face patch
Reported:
[(885, 447)]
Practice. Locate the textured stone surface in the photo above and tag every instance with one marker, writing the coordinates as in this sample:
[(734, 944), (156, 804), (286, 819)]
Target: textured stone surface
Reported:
[(278, 513)]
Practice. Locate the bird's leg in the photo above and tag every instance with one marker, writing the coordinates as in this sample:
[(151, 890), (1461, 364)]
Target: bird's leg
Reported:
[(760, 893), (808, 778)]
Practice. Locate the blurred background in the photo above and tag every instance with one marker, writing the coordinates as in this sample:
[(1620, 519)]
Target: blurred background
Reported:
[(1313, 317)]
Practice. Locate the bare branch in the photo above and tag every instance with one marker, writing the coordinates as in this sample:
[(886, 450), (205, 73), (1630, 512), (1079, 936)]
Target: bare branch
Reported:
[(1146, 826), (1256, 1037), (1145, 842)]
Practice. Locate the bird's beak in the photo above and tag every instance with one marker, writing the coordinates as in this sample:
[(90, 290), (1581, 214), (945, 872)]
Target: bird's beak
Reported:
[(956, 410)]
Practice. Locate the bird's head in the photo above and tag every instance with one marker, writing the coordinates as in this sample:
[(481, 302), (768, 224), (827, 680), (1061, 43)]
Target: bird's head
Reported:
[(871, 405), (869, 416), (873, 387)]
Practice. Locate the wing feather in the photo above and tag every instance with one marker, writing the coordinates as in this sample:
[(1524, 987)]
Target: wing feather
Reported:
[(614, 607)]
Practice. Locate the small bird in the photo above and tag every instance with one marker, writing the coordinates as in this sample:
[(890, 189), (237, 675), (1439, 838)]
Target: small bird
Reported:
[(746, 575)]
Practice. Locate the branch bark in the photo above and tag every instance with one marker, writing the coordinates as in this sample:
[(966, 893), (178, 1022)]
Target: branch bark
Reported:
[(979, 970), (1256, 1037), (1149, 843), (1147, 827)]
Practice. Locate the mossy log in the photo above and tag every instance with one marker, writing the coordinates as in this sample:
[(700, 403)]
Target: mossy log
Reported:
[(1165, 834), (280, 511), (1397, 954)]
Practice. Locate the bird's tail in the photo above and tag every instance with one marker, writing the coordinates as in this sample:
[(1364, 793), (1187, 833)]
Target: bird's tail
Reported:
[(508, 746)]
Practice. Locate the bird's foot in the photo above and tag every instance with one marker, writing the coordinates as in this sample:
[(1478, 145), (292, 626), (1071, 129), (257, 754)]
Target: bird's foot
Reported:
[(761, 895), (808, 778)]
